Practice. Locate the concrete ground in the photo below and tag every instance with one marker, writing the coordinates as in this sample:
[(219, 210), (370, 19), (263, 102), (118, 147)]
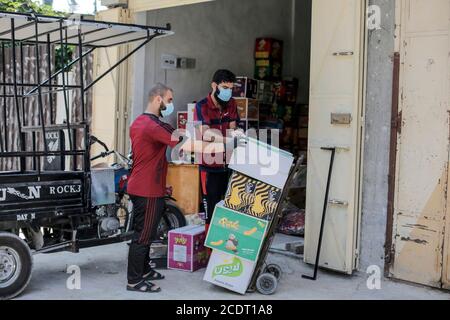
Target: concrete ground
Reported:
[(103, 276)]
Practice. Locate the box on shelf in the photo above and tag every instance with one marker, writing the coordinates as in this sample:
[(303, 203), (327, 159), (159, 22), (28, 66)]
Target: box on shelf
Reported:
[(182, 119), (291, 115), (245, 87), (265, 86), (289, 91), (268, 48), (303, 121), (230, 272), (262, 162), (248, 109), (236, 233), (265, 92), (285, 91), (268, 70), (186, 250)]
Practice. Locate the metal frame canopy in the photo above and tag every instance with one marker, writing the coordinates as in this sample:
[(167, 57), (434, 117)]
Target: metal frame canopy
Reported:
[(93, 33), (44, 33)]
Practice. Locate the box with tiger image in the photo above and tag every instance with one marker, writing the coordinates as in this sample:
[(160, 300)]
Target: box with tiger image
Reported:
[(252, 197)]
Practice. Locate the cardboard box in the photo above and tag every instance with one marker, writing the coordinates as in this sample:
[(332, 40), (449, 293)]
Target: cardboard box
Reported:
[(265, 92), (247, 108), (303, 121), (251, 197), (269, 48), (236, 233), (245, 88), (265, 201), (186, 250), (262, 162), (240, 193), (268, 70), (286, 91), (182, 119), (230, 272)]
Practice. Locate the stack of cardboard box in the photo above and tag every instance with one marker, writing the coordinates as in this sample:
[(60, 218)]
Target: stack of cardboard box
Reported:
[(268, 59), (245, 92), (239, 224)]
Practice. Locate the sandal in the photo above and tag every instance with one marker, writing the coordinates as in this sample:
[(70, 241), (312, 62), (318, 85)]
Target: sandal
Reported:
[(144, 286), (154, 275)]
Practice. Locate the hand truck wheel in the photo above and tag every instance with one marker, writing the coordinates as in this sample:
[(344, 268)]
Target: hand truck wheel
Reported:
[(274, 269), (267, 284)]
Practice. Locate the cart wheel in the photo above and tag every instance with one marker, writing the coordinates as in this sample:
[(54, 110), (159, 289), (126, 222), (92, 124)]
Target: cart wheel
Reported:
[(15, 265), (275, 270), (267, 284)]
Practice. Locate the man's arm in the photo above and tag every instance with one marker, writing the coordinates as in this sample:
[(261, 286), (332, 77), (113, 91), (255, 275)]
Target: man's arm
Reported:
[(192, 145)]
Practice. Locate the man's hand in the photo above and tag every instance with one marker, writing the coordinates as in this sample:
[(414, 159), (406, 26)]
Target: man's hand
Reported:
[(238, 133)]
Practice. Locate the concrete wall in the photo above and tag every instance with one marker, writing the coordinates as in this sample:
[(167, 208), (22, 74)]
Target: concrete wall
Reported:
[(221, 34), (377, 137)]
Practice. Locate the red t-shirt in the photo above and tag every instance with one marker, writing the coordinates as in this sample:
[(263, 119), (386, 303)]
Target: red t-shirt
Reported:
[(208, 114), (150, 138)]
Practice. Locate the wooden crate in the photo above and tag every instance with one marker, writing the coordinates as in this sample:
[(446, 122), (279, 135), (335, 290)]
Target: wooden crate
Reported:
[(185, 181)]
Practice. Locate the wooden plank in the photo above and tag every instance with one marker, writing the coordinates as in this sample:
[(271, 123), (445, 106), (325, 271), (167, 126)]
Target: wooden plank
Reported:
[(185, 181)]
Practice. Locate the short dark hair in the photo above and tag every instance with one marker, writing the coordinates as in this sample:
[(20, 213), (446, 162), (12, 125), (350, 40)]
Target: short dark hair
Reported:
[(224, 75), (158, 90)]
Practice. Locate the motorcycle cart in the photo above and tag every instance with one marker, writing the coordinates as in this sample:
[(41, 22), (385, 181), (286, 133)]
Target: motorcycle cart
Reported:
[(46, 208)]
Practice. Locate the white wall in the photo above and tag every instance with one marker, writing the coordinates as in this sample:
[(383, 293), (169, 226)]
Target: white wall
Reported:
[(218, 34)]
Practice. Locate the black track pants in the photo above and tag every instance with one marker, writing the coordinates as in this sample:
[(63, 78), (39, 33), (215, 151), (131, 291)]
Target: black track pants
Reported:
[(147, 213), (214, 187)]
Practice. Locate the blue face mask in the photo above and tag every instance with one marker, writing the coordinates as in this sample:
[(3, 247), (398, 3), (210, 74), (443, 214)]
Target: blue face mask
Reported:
[(224, 94), (168, 111)]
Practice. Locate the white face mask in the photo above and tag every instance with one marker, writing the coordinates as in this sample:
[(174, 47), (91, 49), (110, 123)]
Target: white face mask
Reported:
[(168, 111)]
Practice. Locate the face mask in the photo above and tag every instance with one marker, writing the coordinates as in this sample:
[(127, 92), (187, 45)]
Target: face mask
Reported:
[(169, 108), (223, 95)]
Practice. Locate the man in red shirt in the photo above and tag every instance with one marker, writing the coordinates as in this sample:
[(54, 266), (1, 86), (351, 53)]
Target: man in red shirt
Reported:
[(150, 138), (216, 115)]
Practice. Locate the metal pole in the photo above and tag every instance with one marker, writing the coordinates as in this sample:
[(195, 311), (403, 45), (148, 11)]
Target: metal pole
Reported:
[(322, 223), (66, 103), (119, 62), (87, 160), (5, 123), (38, 78), (22, 64), (16, 98), (22, 99), (49, 65)]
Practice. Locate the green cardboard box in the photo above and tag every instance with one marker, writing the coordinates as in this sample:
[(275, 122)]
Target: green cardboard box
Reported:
[(236, 233)]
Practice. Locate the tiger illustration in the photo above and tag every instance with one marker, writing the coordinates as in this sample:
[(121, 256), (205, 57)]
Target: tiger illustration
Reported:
[(266, 201), (240, 192)]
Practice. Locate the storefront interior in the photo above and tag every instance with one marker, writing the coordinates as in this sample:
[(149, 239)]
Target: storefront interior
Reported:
[(274, 51)]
